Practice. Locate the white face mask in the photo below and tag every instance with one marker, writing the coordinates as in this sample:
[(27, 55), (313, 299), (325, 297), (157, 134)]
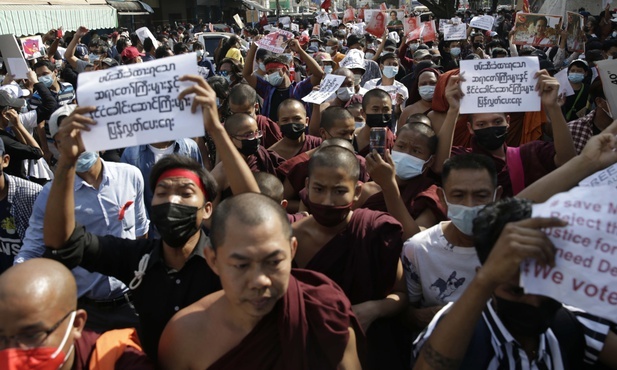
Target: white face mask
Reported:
[(329, 49), (357, 79), (462, 216), (315, 45), (327, 69), (261, 66), (275, 79), (369, 55), (426, 92), (407, 166), (344, 93), (390, 71), (455, 52)]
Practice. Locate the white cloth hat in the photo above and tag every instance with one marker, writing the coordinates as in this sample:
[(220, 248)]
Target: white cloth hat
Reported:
[(63, 111)]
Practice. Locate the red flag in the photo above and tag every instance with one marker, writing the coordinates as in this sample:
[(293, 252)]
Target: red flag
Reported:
[(326, 4)]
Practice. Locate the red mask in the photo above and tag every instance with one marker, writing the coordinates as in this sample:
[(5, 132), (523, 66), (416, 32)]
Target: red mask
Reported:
[(30, 359), (329, 216)]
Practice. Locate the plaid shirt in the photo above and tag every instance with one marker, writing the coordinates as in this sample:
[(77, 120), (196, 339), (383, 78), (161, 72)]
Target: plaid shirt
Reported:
[(582, 130), (21, 196)]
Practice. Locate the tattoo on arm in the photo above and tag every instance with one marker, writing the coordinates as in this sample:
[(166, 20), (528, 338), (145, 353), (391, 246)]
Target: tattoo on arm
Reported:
[(438, 361)]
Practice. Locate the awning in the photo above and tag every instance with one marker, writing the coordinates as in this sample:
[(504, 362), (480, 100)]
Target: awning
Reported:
[(22, 20), (254, 5), (131, 7)]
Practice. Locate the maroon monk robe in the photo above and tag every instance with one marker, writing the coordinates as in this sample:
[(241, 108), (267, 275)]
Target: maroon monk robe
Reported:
[(310, 142), (131, 359), (418, 194), (295, 169), (306, 330), (367, 149), (362, 259), (270, 131), (537, 157)]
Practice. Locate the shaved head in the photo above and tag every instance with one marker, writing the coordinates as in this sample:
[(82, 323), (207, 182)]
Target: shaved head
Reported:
[(248, 209), (39, 282), (337, 141), (237, 121), (269, 185), (335, 157)]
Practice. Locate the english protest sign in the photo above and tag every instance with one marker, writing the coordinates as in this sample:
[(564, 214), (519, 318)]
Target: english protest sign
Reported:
[(138, 103), (500, 85)]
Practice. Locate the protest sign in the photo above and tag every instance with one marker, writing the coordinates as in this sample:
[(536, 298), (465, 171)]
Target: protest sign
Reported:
[(13, 57), (574, 28), (349, 15), (252, 16), (377, 25), (276, 40), (361, 13), (391, 19), (285, 20), (295, 27), (144, 33), (483, 22), (607, 176), (585, 251), (607, 71), (328, 86), (383, 6), (316, 30), (455, 32), (429, 33), (442, 23), (537, 29), (323, 18), (32, 46), (412, 28), (239, 22), (137, 103), (564, 85), (203, 71), (500, 85)]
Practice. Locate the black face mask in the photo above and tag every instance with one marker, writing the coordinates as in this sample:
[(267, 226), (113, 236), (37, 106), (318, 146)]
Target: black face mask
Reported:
[(378, 120), (478, 45), (176, 223), (491, 138), (523, 319), (249, 147), (293, 131)]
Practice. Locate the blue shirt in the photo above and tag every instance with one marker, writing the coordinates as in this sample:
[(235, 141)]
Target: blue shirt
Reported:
[(297, 90), (143, 158), (99, 211)]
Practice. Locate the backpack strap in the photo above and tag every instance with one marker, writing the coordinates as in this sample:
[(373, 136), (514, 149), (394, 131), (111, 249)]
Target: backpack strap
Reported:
[(515, 169)]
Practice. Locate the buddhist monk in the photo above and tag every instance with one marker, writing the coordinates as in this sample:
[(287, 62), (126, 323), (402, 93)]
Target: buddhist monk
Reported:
[(293, 122)]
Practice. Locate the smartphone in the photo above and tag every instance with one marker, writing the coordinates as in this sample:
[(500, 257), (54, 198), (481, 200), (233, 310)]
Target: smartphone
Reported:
[(378, 140), (59, 33)]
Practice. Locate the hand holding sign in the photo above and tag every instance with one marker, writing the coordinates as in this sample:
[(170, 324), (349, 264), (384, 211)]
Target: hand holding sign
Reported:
[(548, 88), (453, 92), (68, 139), (205, 97)]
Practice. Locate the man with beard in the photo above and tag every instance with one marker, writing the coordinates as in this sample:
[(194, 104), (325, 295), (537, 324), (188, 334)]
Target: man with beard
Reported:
[(167, 274)]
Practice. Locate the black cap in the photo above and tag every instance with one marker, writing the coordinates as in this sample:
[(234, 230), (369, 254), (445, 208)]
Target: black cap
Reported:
[(355, 39)]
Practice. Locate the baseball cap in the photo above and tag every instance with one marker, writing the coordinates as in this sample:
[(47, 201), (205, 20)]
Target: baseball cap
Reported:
[(355, 39), (354, 59), (324, 57), (303, 40), (61, 112), (421, 54), (131, 52), (110, 62), (81, 51), (15, 90), (580, 62), (7, 99)]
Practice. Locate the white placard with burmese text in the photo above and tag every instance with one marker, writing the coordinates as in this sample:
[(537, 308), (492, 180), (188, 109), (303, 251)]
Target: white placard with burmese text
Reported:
[(586, 251), (607, 71), (500, 85), (328, 86), (483, 22), (138, 103)]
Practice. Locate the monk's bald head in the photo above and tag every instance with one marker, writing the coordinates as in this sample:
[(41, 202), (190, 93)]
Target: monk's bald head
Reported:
[(38, 283), (270, 185), (248, 209), (337, 141), (238, 122), (334, 156)]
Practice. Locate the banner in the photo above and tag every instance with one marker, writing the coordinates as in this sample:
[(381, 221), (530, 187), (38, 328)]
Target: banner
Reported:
[(137, 103), (607, 176), (328, 86), (586, 251), (500, 85), (537, 30), (276, 41)]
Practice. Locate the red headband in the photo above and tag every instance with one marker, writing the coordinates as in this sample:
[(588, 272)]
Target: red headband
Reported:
[(273, 65), (188, 174)]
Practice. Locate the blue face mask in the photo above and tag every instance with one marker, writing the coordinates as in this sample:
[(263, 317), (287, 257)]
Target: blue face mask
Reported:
[(47, 80), (462, 216), (576, 78), (275, 79), (407, 166), (85, 161)]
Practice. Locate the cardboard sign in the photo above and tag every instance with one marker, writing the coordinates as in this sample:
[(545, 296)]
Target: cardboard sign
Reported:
[(328, 86), (316, 29), (537, 29), (564, 85), (607, 71), (13, 57), (607, 176), (586, 251), (276, 41), (32, 46), (483, 22), (500, 85), (412, 28), (455, 32), (576, 36), (429, 33), (377, 25), (137, 103), (144, 33), (252, 16), (239, 22)]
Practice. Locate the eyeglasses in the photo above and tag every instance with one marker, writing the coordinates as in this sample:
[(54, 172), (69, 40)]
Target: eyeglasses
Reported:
[(249, 136), (31, 340)]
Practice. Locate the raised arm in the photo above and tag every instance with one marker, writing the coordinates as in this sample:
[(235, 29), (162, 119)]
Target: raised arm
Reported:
[(69, 54), (445, 136), (247, 71), (548, 88), (238, 173), (59, 218), (311, 64), (21, 134)]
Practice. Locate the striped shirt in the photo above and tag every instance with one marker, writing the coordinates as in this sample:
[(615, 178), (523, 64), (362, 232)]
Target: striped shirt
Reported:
[(66, 95), (505, 352)]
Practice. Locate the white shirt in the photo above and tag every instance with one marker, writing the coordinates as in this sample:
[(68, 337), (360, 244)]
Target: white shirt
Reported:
[(393, 89)]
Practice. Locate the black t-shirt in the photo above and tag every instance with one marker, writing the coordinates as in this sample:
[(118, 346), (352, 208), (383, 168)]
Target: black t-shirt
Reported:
[(9, 239), (277, 98)]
